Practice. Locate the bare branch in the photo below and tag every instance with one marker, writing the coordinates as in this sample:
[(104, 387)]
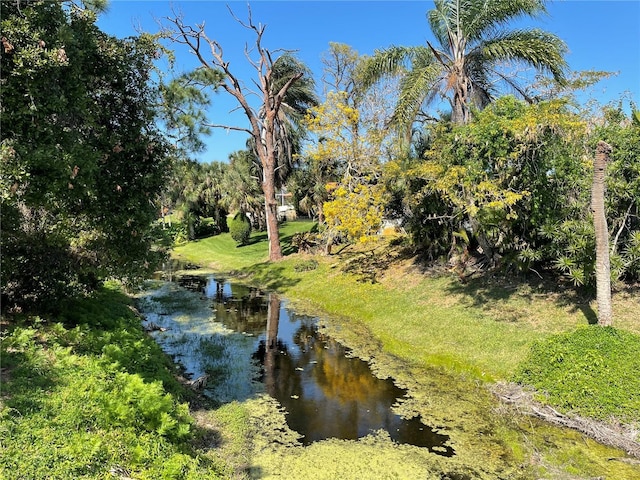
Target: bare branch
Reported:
[(228, 127), (621, 229), (280, 95)]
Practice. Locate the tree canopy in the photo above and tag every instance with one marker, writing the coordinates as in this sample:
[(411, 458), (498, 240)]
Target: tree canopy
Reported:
[(467, 63), (82, 160)]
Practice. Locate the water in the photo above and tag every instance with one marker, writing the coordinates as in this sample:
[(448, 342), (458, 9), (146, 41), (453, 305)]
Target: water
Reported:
[(327, 393)]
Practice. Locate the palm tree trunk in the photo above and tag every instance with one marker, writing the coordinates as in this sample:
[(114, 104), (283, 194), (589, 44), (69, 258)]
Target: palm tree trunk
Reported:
[(603, 265), (460, 113)]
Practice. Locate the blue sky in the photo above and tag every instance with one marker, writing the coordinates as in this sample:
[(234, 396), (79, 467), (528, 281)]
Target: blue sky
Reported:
[(600, 34)]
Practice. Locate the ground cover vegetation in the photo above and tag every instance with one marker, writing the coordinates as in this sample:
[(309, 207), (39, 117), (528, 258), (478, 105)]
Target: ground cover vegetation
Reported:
[(88, 394), (499, 188)]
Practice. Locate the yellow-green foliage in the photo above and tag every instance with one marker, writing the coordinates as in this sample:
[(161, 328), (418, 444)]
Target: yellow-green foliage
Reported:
[(345, 138), (355, 210), (356, 214), (477, 166)]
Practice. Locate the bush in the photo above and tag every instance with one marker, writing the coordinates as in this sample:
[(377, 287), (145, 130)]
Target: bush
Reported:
[(590, 371), (40, 271), (240, 228), (207, 228)]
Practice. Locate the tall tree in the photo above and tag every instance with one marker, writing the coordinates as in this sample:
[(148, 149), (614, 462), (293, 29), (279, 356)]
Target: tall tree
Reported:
[(473, 43), (265, 122), (81, 158), (603, 263)]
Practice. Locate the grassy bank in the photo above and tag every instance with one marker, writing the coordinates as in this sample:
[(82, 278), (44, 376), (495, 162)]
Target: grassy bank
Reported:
[(438, 337), (87, 394)]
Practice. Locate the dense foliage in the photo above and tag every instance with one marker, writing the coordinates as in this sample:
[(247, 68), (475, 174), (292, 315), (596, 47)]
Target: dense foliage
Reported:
[(240, 228), (196, 192), (511, 189), (81, 158), (588, 372)]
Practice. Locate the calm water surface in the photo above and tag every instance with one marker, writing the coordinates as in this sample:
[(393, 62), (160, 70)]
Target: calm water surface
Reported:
[(326, 392)]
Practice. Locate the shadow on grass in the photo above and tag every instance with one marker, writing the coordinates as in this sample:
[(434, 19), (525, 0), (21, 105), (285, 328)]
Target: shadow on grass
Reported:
[(368, 265), (269, 276), (286, 240), (257, 237), (492, 289)]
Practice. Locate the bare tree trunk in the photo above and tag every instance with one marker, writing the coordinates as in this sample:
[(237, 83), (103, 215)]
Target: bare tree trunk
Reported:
[(603, 265), (320, 213), (271, 211)]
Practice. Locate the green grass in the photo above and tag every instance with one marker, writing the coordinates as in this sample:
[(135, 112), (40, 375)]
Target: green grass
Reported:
[(221, 251), (588, 372), (88, 395)]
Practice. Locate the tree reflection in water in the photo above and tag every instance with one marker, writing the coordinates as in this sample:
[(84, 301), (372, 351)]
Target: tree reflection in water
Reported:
[(326, 393)]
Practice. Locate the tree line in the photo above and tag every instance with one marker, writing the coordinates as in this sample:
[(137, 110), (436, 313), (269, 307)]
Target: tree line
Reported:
[(482, 170)]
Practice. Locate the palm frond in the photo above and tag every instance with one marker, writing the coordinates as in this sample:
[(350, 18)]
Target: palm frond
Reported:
[(391, 61), (482, 19), (417, 87), (441, 19), (536, 48)]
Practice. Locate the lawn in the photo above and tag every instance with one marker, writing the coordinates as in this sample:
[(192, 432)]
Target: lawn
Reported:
[(221, 252)]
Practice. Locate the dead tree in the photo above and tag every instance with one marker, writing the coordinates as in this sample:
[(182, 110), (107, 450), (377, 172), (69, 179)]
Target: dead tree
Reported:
[(263, 119)]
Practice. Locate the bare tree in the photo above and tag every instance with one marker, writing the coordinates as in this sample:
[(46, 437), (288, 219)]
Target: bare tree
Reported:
[(263, 120), (603, 265)]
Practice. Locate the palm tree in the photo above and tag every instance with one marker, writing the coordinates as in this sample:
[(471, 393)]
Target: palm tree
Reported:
[(465, 67), (241, 185), (603, 263)]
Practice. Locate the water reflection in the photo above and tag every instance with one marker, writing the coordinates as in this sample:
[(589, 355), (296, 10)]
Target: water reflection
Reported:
[(327, 394)]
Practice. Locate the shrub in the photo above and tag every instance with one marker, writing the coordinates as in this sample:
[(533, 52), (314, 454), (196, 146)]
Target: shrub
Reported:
[(240, 228), (207, 228), (589, 371), (307, 242)]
